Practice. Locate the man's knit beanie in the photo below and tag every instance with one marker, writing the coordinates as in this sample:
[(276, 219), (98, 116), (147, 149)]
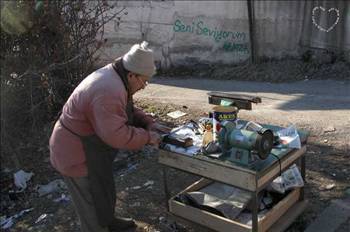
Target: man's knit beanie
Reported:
[(139, 59)]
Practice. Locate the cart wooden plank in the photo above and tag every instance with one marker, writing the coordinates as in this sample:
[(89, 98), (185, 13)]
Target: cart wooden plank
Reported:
[(207, 219), (278, 210), (224, 174), (289, 217), (201, 183)]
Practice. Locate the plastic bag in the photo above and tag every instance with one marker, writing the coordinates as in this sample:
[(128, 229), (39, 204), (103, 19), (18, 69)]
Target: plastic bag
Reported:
[(53, 186), (289, 137), (21, 178)]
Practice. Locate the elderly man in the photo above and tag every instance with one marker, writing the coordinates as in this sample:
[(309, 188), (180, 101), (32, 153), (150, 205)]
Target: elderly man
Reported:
[(98, 119)]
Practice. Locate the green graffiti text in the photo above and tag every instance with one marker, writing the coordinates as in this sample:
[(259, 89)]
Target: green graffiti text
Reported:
[(236, 47), (201, 29)]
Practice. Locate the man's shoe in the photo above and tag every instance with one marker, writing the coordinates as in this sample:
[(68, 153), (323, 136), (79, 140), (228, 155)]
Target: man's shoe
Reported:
[(120, 223)]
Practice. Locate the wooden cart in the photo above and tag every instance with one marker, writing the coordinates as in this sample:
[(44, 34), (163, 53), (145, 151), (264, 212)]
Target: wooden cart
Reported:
[(252, 179)]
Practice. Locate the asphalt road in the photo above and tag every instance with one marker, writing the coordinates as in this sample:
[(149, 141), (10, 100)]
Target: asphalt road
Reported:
[(317, 104)]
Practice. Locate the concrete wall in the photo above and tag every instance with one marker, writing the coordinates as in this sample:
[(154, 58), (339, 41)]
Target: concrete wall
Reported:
[(190, 32), (278, 27), (286, 28)]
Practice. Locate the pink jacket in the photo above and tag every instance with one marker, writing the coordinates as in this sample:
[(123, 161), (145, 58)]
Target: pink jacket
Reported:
[(96, 106)]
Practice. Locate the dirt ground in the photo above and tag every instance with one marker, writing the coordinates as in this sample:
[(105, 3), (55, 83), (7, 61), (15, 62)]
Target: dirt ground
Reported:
[(138, 175), (139, 184)]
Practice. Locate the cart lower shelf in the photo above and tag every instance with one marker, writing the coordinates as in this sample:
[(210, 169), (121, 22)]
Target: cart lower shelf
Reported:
[(277, 219)]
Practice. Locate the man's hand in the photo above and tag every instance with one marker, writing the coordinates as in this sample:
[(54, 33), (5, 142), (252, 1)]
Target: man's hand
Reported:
[(159, 128), (154, 138)]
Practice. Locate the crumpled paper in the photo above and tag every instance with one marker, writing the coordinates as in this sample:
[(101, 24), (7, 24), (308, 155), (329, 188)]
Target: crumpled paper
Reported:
[(185, 131), (291, 178)]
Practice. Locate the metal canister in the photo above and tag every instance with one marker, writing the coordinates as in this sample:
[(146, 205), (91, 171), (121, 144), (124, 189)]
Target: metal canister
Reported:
[(220, 114)]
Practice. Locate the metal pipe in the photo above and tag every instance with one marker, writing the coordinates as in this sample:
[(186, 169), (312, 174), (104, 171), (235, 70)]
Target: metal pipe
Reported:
[(250, 7)]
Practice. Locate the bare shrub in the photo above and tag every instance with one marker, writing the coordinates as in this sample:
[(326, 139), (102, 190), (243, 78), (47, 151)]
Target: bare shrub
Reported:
[(47, 48)]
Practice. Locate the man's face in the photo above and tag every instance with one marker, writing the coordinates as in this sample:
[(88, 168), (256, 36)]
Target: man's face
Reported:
[(137, 82)]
